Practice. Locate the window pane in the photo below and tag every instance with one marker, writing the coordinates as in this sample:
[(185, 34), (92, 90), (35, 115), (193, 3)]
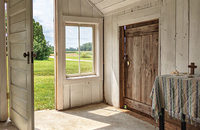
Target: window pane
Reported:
[(86, 49), (72, 53)]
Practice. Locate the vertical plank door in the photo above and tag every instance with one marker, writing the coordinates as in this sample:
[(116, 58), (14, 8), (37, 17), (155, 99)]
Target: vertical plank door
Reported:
[(20, 41), (142, 64)]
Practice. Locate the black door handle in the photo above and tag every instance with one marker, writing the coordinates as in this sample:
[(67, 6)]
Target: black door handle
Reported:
[(33, 55), (26, 55)]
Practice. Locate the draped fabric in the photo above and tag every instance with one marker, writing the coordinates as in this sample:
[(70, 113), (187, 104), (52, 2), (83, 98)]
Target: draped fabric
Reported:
[(177, 95)]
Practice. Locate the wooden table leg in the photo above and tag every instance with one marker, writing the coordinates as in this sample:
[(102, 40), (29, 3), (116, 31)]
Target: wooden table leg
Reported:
[(162, 120), (183, 123)]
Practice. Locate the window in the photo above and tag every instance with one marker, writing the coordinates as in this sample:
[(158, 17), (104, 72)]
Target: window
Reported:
[(79, 43)]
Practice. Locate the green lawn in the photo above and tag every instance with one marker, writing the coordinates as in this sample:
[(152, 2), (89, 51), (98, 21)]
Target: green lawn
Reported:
[(44, 92), (44, 67), (74, 55), (44, 84), (76, 58), (73, 68)]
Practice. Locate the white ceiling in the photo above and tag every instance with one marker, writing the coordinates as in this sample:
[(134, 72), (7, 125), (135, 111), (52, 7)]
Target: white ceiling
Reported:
[(106, 6)]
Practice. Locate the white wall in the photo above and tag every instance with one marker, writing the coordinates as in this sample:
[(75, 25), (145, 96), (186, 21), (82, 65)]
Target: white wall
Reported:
[(178, 37), (180, 28), (194, 32), (72, 92), (3, 72)]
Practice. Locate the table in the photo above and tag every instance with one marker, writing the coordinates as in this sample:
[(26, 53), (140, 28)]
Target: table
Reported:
[(179, 96)]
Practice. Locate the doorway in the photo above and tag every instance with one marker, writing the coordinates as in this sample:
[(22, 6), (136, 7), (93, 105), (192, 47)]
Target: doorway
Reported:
[(43, 46), (139, 64)]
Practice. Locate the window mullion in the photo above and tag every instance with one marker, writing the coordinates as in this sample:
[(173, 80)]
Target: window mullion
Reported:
[(93, 48), (79, 49)]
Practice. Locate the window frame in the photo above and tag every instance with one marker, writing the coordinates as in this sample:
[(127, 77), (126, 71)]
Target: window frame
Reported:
[(93, 49), (61, 55)]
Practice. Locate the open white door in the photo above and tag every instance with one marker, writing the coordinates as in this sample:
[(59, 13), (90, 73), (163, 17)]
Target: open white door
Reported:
[(20, 41)]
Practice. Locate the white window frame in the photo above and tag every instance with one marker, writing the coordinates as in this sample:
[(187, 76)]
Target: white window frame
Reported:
[(93, 49), (98, 48)]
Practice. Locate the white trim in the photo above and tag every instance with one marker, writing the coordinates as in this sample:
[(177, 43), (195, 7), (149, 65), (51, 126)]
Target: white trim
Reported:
[(79, 54), (82, 20), (79, 75), (98, 50), (80, 79)]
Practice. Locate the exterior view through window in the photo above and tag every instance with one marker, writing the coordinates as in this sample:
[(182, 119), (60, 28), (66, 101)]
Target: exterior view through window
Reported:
[(79, 50)]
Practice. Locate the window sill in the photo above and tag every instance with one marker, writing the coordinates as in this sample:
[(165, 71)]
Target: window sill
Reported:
[(82, 79)]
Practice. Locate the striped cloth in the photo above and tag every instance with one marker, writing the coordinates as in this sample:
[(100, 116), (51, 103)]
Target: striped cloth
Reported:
[(178, 95)]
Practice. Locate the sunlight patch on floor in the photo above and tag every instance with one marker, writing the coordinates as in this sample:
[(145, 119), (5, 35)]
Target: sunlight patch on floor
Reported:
[(105, 112)]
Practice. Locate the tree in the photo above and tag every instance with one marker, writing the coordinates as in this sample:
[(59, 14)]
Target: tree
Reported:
[(71, 49), (40, 46), (86, 47)]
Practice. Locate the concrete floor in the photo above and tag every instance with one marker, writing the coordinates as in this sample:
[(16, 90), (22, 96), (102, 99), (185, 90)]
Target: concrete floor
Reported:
[(92, 117), (7, 125)]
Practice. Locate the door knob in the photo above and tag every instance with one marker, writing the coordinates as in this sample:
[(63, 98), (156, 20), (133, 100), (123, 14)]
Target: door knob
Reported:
[(26, 55)]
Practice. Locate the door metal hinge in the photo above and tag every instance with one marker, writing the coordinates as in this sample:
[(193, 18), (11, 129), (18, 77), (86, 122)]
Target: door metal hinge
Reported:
[(5, 1), (7, 95)]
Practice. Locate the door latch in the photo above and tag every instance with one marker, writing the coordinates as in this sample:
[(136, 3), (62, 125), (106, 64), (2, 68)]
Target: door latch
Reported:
[(33, 55), (26, 55), (126, 59)]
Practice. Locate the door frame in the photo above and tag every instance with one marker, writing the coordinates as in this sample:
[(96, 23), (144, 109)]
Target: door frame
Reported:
[(122, 62), (3, 67), (121, 67)]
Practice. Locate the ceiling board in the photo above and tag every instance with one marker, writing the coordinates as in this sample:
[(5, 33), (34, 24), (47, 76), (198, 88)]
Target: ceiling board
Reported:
[(109, 5), (96, 1)]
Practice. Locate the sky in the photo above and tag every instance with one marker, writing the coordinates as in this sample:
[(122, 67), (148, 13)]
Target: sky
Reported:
[(43, 13), (72, 36)]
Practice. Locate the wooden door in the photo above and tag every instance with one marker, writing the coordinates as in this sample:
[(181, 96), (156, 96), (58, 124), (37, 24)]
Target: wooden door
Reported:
[(20, 41), (141, 66)]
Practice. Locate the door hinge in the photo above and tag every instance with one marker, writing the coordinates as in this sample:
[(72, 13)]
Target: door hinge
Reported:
[(7, 95), (5, 1)]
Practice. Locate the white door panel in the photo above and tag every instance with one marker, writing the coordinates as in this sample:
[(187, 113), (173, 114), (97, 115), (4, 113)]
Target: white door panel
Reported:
[(20, 40)]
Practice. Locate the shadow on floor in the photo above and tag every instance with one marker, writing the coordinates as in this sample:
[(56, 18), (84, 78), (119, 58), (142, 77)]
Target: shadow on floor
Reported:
[(7, 125)]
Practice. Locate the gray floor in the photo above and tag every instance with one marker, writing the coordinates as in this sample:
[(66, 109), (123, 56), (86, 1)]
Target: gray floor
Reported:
[(7, 126), (92, 117)]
